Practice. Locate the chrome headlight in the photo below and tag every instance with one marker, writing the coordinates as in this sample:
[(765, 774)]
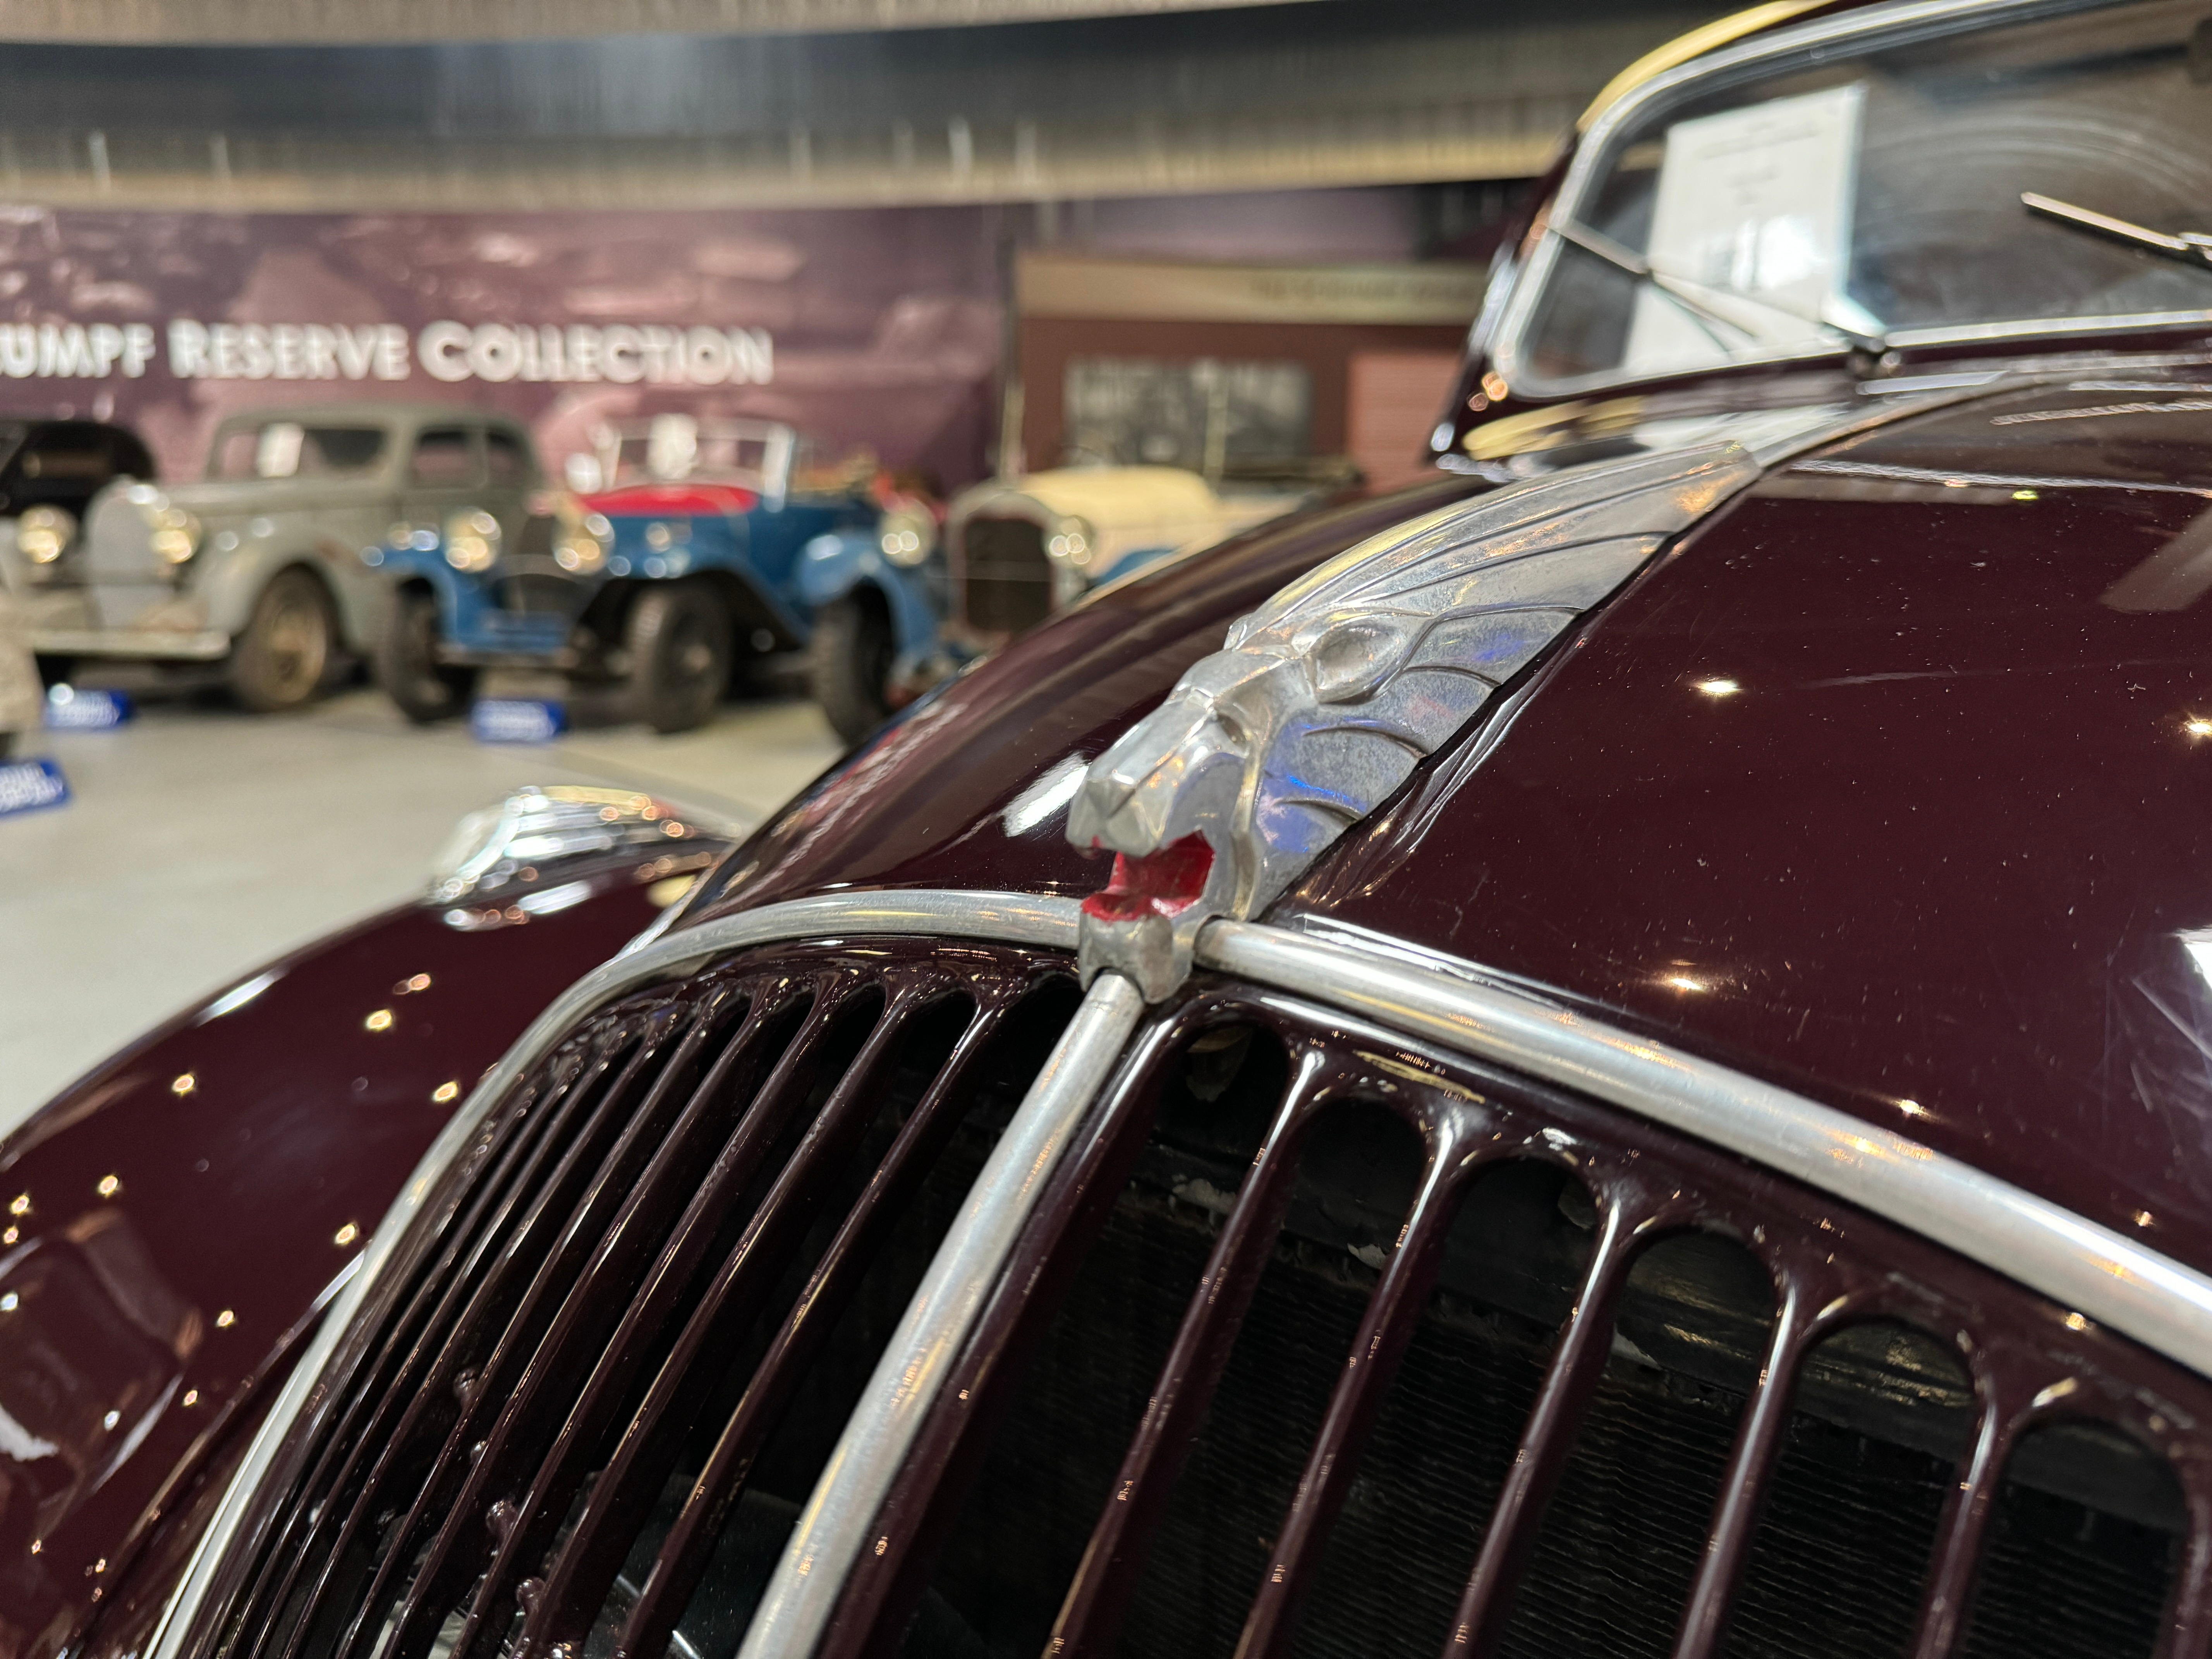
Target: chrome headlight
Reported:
[(176, 535), (581, 547), (43, 533), (472, 540), (1073, 542), (906, 536)]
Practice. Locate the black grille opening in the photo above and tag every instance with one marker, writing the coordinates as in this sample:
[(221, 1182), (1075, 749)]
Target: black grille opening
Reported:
[(1006, 576), (1357, 1175), (1399, 1553), (2081, 1550), (553, 1396), (1622, 1536), (1021, 1531), (1884, 1417)]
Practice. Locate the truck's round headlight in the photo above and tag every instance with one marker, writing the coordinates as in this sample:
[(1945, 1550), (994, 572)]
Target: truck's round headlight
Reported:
[(907, 535), (176, 534), (43, 533), (1075, 541), (472, 540)]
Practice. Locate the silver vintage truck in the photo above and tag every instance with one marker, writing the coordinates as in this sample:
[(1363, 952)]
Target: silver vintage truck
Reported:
[(256, 571)]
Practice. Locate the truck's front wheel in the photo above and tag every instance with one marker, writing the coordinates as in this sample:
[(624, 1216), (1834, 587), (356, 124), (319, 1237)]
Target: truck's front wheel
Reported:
[(407, 665), (849, 661), (279, 661), (679, 653)]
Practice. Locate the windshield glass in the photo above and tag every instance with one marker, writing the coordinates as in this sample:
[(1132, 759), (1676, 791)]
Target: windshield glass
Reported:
[(288, 449), (677, 448), (1862, 199)]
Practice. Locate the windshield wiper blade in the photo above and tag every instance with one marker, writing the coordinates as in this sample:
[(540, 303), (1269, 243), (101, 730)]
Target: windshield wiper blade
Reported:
[(1706, 300), (2193, 247)]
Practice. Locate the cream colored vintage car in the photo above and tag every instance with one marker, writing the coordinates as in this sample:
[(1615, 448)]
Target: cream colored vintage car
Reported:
[(1017, 550)]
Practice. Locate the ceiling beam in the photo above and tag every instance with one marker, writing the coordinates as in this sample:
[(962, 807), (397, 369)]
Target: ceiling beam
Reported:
[(342, 23)]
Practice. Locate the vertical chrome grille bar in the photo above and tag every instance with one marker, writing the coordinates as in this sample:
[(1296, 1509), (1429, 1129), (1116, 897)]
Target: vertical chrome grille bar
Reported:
[(833, 1528), (1965, 1525), (1545, 1443), (1392, 1313), (1090, 1618), (684, 1553), (352, 1443), (619, 1244), (740, 1282), (1743, 1488)]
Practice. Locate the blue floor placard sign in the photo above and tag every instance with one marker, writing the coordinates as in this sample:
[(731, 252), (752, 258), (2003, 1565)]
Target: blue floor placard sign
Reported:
[(27, 785), (68, 710), (516, 720)]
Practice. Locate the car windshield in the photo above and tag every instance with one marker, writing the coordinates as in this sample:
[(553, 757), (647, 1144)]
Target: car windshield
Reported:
[(1875, 199), (294, 449), (675, 448)]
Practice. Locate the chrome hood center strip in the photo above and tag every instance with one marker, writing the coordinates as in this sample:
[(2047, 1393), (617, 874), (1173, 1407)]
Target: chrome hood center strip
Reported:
[(1002, 918), (2085, 1267)]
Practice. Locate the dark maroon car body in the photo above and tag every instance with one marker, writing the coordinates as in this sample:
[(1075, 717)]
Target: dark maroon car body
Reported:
[(1889, 782)]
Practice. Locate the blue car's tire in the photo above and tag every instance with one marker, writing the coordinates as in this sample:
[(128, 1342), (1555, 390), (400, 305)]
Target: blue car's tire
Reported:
[(407, 665), (849, 663), (680, 653)]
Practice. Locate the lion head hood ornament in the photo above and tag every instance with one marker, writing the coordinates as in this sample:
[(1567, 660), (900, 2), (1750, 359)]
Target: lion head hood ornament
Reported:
[(1323, 700)]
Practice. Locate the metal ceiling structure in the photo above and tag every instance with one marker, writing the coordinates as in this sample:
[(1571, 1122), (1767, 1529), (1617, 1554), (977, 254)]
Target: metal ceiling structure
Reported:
[(1325, 93), (353, 22)]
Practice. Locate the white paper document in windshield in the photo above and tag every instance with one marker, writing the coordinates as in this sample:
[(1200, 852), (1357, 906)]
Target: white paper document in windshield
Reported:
[(1752, 225)]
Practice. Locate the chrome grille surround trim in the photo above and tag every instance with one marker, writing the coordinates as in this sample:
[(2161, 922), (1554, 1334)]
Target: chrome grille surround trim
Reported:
[(2082, 1266), (1001, 918)]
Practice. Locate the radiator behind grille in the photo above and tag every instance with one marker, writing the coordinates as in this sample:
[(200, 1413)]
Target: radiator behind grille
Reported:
[(1004, 578)]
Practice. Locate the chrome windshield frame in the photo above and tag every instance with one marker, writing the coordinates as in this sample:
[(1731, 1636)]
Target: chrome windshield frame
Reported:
[(1883, 25)]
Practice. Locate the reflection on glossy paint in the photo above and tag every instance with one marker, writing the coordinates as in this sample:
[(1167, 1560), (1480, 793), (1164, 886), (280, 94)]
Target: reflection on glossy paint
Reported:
[(19, 1204), (446, 1093), (345, 1234), (1719, 688), (2198, 941), (1684, 982), (413, 983), (1911, 1109), (379, 1021), (225, 1320), (2197, 728), (236, 997), (183, 1084), (108, 1186)]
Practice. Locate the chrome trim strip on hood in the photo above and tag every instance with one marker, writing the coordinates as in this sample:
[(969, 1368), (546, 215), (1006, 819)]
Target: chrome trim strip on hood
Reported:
[(2084, 1266), (1001, 918)]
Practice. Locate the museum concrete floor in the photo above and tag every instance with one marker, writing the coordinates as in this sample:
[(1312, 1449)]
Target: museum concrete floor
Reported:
[(201, 841)]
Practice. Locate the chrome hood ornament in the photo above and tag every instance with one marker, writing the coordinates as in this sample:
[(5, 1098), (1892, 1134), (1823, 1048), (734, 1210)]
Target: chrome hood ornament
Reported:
[(1323, 700)]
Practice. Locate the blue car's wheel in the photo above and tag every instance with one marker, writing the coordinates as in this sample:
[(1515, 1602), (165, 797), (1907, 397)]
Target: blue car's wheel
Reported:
[(849, 664), (407, 665), (679, 654)]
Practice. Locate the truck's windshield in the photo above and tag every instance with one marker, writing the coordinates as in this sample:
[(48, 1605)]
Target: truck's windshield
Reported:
[(1875, 197)]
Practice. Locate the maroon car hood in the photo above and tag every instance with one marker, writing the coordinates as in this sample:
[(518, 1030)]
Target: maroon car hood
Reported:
[(1932, 860)]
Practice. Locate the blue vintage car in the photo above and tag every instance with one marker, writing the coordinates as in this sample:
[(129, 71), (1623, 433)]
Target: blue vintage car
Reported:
[(685, 544)]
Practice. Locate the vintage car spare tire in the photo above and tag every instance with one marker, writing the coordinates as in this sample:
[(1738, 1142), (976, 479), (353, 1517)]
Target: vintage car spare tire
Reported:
[(680, 653), (849, 664), (279, 660), (407, 665)]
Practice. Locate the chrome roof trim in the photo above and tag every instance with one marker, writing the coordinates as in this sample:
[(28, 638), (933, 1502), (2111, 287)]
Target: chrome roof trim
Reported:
[(1000, 918), (2082, 1266), (1875, 23)]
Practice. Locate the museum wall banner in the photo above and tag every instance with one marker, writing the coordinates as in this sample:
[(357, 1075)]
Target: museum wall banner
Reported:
[(877, 330)]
